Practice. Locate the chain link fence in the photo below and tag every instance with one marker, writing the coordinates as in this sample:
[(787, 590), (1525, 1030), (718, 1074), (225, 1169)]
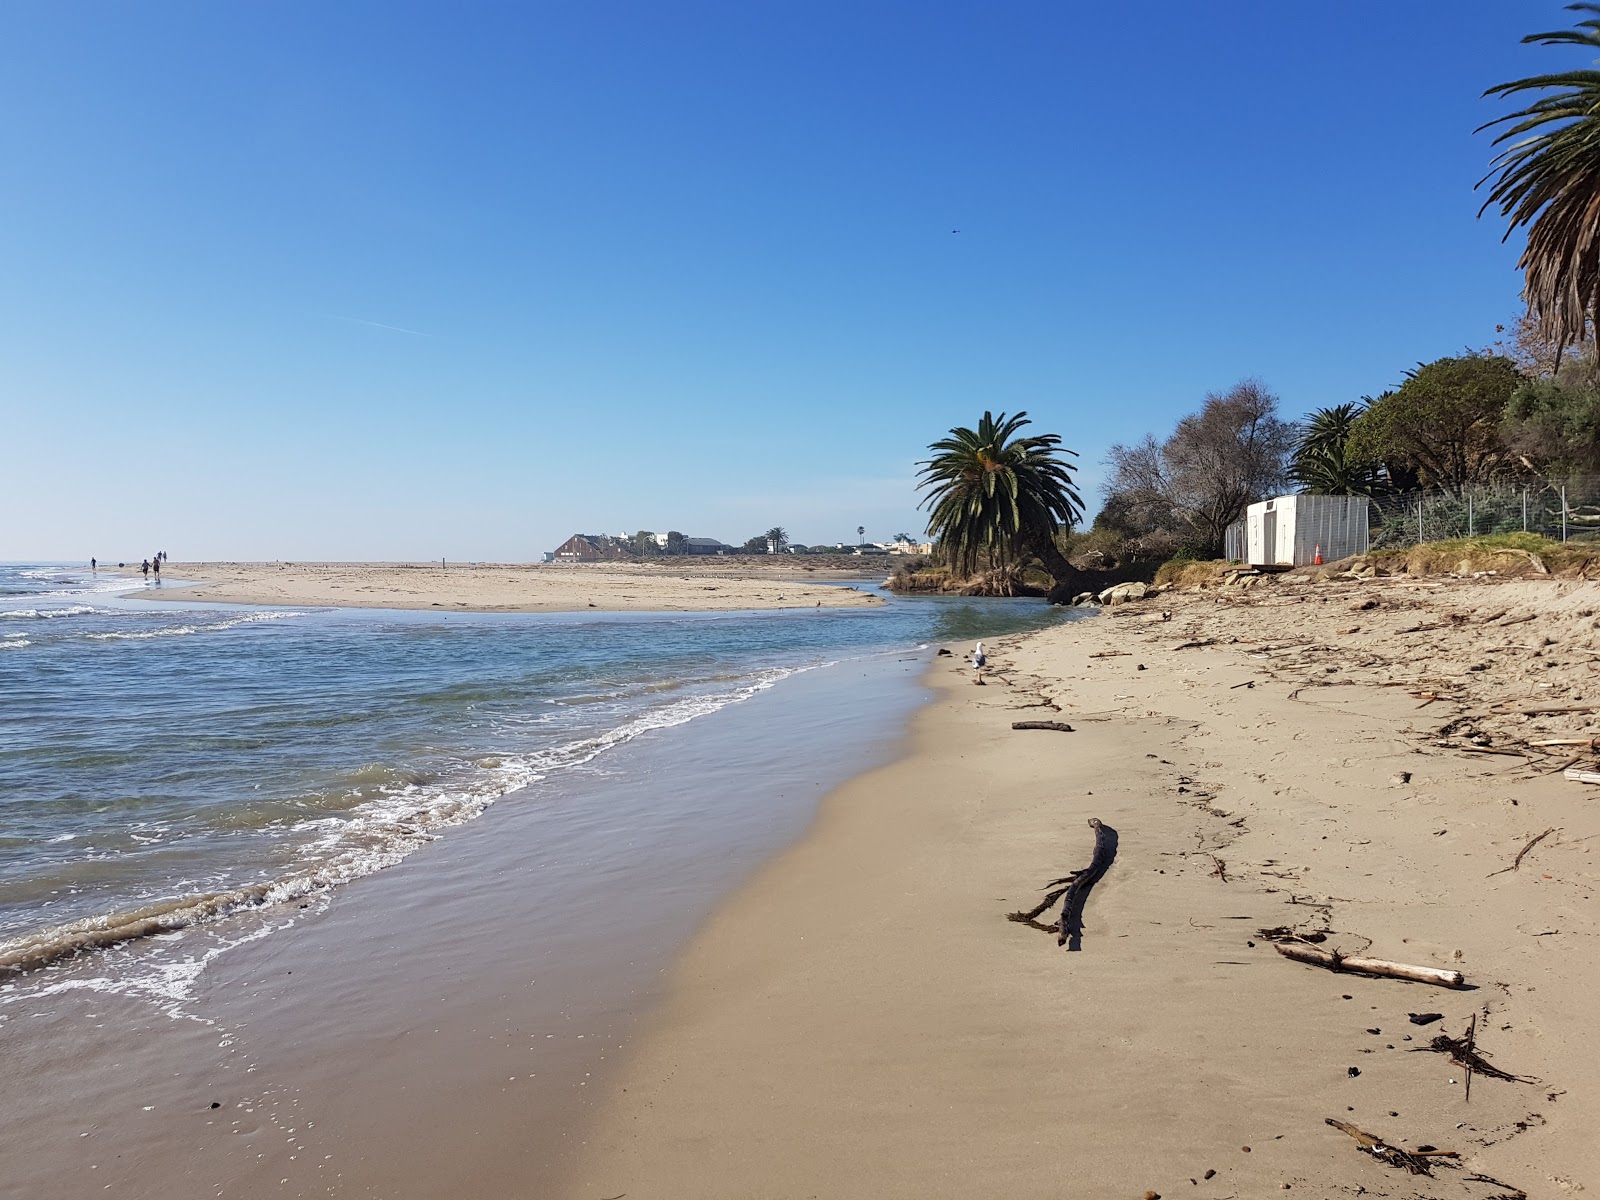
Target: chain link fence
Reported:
[(1562, 509)]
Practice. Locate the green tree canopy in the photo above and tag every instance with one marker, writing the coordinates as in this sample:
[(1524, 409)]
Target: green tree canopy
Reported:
[(1554, 427), (1442, 424)]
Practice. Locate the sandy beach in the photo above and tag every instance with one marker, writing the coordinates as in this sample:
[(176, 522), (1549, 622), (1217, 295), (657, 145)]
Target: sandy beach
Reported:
[(683, 585), (1355, 761)]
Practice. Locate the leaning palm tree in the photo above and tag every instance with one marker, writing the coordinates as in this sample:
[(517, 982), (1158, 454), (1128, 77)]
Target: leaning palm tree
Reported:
[(993, 496), (1549, 181)]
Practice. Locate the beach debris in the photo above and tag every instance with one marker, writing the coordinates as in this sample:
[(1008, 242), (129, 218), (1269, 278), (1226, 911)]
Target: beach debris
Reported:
[(1417, 1162), (1284, 933), (1424, 1018), (1464, 1053), (1248, 683), (1111, 654), (1578, 776), (1073, 891), (1400, 778), (1517, 861), (1195, 643), (943, 652), (1334, 961), (1058, 726)]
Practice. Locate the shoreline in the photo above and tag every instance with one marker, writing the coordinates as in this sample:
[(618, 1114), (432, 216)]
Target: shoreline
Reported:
[(861, 1020), (479, 989), (682, 584)]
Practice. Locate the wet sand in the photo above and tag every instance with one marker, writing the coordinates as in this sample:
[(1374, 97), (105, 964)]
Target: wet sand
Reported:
[(862, 1020), (686, 585)]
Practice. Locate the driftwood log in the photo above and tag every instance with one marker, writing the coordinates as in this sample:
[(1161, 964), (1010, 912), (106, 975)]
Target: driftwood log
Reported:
[(1058, 726), (1578, 776), (1073, 890), (1370, 966)]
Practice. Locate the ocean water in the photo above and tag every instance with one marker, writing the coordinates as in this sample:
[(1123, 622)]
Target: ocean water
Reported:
[(164, 766)]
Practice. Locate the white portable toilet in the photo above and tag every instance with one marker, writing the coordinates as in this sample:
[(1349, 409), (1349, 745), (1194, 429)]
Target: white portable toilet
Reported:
[(1288, 531)]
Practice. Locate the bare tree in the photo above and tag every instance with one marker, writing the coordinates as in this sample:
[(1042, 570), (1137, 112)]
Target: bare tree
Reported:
[(1232, 452)]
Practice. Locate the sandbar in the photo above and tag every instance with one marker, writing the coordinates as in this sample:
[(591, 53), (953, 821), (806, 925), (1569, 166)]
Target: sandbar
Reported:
[(686, 585)]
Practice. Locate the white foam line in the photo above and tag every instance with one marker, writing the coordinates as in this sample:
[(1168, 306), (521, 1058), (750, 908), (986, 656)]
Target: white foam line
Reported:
[(186, 630)]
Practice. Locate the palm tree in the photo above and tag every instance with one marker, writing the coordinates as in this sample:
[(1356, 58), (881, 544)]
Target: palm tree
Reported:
[(992, 496), (861, 533), (777, 538), (1322, 463), (1550, 182)]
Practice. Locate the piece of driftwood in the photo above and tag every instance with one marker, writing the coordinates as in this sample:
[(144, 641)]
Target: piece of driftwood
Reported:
[(1580, 776), (1058, 726), (1414, 1161), (1548, 710), (1335, 961), (1073, 890), (1592, 743), (1517, 861), (1111, 654), (1195, 643)]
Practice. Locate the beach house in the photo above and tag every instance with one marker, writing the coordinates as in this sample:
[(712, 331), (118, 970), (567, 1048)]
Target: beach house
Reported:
[(592, 547)]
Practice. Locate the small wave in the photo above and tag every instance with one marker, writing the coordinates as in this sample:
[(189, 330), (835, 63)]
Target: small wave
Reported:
[(14, 643), (186, 630), (43, 614)]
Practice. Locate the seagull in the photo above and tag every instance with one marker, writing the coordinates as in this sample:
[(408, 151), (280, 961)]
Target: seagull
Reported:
[(955, 231)]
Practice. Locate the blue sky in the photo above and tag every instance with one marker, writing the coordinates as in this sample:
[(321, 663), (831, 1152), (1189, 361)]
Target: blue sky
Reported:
[(397, 280)]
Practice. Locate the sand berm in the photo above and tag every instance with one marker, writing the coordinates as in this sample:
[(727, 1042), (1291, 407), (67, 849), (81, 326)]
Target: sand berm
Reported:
[(1356, 760)]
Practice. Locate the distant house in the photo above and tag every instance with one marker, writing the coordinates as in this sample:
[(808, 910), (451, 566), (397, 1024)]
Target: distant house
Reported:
[(592, 547), (902, 547), (694, 545)]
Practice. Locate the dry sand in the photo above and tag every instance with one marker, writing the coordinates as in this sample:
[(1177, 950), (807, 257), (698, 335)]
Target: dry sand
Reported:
[(861, 1020), (687, 585)]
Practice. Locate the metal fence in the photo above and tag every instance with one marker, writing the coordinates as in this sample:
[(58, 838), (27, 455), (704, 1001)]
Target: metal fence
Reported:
[(1563, 509)]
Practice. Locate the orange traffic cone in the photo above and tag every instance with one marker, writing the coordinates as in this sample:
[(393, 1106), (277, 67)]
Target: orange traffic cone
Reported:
[(1316, 559)]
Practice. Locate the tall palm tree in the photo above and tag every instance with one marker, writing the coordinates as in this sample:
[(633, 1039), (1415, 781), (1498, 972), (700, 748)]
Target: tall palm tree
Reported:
[(1550, 182), (993, 496), (777, 538)]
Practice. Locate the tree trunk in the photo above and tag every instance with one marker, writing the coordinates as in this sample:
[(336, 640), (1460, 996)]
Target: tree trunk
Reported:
[(1069, 581)]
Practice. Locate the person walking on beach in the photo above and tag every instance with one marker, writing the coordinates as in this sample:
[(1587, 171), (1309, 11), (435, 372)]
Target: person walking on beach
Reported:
[(158, 566), (979, 661), (145, 567), (93, 565)]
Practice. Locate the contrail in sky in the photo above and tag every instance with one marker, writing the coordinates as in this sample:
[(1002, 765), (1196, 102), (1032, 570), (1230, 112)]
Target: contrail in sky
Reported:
[(378, 325)]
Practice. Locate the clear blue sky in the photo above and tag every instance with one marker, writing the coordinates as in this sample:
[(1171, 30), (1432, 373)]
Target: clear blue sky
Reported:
[(398, 280)]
